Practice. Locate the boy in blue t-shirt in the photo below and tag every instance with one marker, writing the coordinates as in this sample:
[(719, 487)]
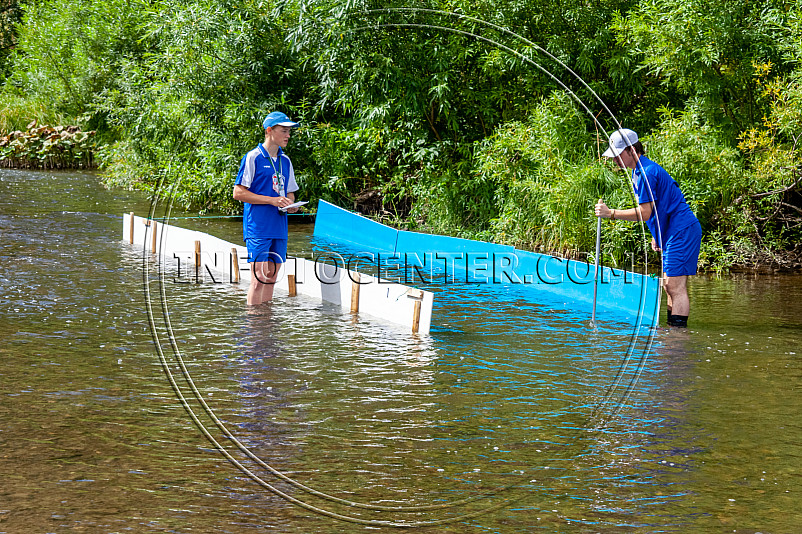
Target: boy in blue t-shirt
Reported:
[(674, 228), (266, 182)]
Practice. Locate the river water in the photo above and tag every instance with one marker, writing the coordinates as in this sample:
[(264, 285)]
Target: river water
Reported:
[(511, 416)]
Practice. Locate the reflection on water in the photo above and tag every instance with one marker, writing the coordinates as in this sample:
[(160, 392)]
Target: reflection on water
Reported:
[(494, 405)]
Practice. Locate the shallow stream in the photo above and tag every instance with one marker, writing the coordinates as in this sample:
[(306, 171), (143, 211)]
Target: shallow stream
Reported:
[(485, 425)]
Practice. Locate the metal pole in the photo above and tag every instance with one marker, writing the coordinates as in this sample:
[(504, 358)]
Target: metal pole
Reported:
[(596, 274)]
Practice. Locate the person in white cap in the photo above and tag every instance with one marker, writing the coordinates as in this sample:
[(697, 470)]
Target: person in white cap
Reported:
[(266, 182), (675, 229)]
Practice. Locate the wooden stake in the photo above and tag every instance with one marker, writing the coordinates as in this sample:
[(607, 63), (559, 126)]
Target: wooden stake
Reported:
[(235, 265), (355, 285), (417, 295), (153, 238), (291, 282), (131, 228), (416, 317)]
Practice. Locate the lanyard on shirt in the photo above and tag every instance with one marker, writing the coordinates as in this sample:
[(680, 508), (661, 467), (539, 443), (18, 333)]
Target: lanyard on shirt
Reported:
[(278, 157), (276, 173)]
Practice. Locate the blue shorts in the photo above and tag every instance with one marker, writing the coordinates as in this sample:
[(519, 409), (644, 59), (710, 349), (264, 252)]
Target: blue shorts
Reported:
[(681, 253), (266, 249)]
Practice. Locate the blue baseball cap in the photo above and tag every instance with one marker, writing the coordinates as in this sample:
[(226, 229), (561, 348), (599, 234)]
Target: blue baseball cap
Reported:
[(277, 118)]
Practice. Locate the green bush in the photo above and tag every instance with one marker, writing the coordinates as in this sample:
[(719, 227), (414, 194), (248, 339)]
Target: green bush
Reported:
[(69, 51), (48, 147), (709, 172), (533, 184)]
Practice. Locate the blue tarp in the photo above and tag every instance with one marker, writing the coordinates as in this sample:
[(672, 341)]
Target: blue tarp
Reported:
[(427, 258), (337, 224)]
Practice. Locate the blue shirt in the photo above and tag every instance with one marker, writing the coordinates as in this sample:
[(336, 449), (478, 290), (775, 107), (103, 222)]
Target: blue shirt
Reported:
[(653, 184), (264, 175)]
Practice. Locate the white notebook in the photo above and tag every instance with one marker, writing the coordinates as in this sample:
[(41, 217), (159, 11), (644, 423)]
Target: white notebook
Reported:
[(294, 205)]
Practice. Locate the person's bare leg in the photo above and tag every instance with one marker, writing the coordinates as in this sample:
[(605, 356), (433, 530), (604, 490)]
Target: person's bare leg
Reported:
[(676, 287), (677, 291), (263, 278), (271, 274), (669, 310), (254, 289)]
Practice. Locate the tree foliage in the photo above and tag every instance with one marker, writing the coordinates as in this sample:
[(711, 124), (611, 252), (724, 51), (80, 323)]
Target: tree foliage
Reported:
[(707, 51), (10, 13), (478, 118)]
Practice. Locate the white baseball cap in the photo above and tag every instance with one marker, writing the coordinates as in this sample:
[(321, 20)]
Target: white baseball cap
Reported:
[(619, 141)]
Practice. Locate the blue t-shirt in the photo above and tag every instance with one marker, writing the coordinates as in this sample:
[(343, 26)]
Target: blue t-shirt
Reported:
[(670, 207), (264, 175)]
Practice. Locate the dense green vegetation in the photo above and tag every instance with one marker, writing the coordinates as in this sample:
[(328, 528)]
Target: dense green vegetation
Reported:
[(47, 147), (481, 119)]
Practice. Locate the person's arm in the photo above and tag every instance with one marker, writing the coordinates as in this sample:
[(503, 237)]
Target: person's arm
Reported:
[(641, 213), (291, 196), (243, 194)]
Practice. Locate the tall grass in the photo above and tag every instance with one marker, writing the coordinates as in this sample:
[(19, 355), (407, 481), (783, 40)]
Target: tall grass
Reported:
[(18, 111)]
